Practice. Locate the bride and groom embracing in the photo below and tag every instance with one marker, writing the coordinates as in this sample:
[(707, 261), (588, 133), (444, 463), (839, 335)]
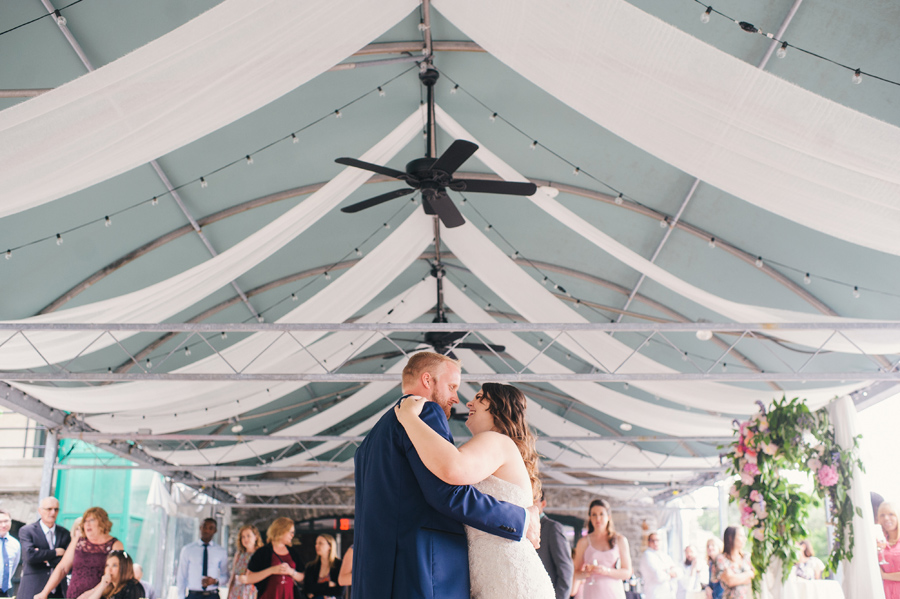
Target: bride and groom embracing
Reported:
[(431, 518)]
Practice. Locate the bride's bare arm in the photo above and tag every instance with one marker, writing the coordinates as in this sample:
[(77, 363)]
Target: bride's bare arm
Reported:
[(473, 462)]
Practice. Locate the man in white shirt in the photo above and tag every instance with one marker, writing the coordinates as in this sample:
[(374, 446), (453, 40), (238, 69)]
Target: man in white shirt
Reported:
[(10, 552), (203, 565), (43, 544), (658, 571)]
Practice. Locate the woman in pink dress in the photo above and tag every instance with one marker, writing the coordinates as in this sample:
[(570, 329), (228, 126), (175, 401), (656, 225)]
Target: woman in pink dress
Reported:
[(602, 558), (248, 541), (889, 551)]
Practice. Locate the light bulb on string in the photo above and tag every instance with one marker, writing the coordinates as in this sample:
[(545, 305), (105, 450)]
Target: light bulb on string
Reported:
[(387, 225), (327, 276), (154, 201), (856, 292), (203, 182), (782, 51), (187, 351), (60, 20), (619, 200), (704, 18), (488, 228), (294, 138), (759, 262), (249, 159), (807, 279), (108, 222), (454, 89), (294, 297), (664, 223), (358, 252), (493, 117), (337, 114), (724, 367), (515, 255), (59, 239), (545, 280), (625, 386), (149, 363), (576, 171), (224, 335), (381, 92), (260, 318), (534, 144), (857, 76), (712, 242), (8, 254)]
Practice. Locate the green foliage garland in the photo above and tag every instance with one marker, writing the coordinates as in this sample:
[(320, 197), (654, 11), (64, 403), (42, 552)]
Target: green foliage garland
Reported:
[(791, 437)]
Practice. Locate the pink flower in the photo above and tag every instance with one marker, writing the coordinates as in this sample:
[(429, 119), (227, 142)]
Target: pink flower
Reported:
[(734, 492), (828, 476), (747, 478), (814, 464), (751, 468), (763, 424), (755, 495), (759, 535), (751, 456), (770, 448)]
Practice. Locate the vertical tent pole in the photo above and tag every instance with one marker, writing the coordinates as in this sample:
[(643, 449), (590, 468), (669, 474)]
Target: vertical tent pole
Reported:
[(51, 449)]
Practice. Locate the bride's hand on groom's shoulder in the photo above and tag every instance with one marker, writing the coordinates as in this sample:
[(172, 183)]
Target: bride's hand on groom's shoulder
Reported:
[(410, 407)]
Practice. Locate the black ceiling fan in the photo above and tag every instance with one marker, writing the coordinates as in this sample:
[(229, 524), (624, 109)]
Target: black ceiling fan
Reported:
[(434, 176)]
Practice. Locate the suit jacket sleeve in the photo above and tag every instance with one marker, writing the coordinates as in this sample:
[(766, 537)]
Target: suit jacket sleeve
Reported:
[(462, 503), (562, 558), (32, 554)]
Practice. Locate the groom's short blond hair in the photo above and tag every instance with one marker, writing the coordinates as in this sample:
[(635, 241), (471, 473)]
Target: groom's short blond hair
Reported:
[(421, 362)]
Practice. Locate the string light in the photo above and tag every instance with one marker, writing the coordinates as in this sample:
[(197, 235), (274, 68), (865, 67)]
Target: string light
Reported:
[(664, 223), (781, 52), (381, 91), (619, 200), (294, 138), (387, 225), (224, 335), (712, 242), (327, 276), (493, 117), (59, 239), (856, 292), (187, 351), (857, 76), (454, 89), (515, 255), (759, 262), (807, 279), (108, 222), (294, 297), (337, 114), (249, 159), (625, 386), (534, 144), (154, 201), (8, 254), (357, 251), (576, 171), (203, 182), (704, 18), (60, 20), (489, 227), (149, 363)]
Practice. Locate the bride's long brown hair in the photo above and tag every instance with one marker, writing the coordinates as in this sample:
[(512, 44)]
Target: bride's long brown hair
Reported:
[(507, 405)]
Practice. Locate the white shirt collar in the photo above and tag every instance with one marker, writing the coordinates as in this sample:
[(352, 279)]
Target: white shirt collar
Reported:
[(45, 528)]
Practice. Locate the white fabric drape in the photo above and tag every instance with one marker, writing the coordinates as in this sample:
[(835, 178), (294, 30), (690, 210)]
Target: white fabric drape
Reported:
[(536, 304), (882, 341), (862, 578), (153, 403), (618, 405), (743, 130), (211, 71), (162, 300)]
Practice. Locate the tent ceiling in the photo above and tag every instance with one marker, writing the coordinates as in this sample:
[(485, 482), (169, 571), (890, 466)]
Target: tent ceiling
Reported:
[(40, 272)]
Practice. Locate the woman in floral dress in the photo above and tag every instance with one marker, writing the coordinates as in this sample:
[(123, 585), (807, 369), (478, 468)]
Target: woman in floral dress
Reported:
[(247, 542), (732, 566), (889, 550)]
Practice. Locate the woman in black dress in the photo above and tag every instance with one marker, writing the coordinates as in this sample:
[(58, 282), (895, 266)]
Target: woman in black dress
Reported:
[(321, 575)]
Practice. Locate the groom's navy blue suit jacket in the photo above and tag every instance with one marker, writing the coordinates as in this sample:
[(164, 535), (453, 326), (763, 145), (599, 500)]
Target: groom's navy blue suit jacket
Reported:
[(408, 539)]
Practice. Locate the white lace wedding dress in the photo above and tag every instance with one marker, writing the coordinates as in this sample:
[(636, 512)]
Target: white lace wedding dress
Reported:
[(500, 568)]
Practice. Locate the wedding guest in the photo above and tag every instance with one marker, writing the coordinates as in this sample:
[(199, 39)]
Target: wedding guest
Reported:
[(713, 549), (658, 571), (202, 565), (555, 553), (149, 593), (321, 576), (273, 567), (246, 543), (345, 576), (695, 574), (602, 558), (43, 545), (808, 566), (732, 566), (118, 581), (889, 550), (85, 557), (11, 552)]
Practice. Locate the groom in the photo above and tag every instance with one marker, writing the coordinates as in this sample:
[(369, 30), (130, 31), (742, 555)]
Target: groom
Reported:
[(409, 541)]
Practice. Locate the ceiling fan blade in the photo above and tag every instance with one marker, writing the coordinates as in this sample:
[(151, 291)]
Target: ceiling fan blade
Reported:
[(481, 347), (444, 208), (505, 187), (375, 168), (458, 152), (376, 200)]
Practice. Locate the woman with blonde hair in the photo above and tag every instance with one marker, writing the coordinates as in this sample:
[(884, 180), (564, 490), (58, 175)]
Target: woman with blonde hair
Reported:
[(889, 550), (273, 568), (118, 581), (501, 461), (321, 576), (246, 543), (602, 557), (85, 557)]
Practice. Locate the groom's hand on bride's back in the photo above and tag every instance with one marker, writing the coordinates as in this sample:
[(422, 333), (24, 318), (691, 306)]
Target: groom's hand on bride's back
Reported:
[(533, 533)]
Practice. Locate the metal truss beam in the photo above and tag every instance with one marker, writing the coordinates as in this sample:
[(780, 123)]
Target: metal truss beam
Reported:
[(66, 424), (101, 437)]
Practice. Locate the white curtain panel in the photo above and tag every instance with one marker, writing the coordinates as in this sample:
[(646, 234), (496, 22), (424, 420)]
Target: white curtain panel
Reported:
[(862, 577), (162, 300), (536, 304), (337, 302), (873, 341), (226, 63), (720, 119), (618, 405)]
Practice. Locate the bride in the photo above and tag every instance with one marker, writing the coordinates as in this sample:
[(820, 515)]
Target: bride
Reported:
[(500, 460)]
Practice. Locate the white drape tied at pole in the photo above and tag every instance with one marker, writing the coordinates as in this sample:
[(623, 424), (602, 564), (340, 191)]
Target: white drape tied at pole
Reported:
[(710, 114), (226, 63)]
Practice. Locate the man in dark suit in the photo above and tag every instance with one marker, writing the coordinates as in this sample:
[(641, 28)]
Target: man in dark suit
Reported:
[(43, 545), (409, 541), (556, 553)]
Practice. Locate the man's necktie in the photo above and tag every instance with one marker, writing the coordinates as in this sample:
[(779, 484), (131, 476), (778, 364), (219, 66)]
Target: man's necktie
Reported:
[(51, 539), (205, 561), (4, 585)]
